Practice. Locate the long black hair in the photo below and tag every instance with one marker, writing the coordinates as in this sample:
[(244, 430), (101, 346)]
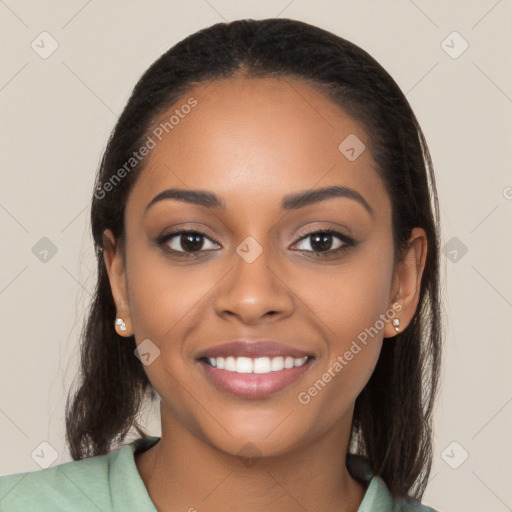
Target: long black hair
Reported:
[(392, 422)]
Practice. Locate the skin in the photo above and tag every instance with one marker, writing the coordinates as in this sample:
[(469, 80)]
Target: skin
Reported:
[(251, 142)]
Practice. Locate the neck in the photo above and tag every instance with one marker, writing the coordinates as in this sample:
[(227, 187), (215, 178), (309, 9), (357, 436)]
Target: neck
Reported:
[(182, 472)]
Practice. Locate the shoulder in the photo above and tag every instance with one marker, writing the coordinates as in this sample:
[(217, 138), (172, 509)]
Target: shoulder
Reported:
[(94, 483), (411, 505), (377, 496), (58, 487)]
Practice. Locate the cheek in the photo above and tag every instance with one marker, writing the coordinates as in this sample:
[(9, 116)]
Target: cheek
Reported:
[(165, 301), (348, 306), (350, 297), (162, 296)]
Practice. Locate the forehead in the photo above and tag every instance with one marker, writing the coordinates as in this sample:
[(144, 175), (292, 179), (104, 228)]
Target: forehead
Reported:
[(260, 137)]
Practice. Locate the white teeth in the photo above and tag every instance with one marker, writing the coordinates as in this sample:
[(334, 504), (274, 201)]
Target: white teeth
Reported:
[(256, 365), (289, 362), (230, 364), (243, 365), (262, 365), (277, 363)]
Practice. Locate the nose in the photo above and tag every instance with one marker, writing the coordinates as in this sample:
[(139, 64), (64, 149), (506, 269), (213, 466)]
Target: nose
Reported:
[(253, 292)]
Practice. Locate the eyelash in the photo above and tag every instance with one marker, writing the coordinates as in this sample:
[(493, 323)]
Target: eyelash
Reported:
[(347, 242)]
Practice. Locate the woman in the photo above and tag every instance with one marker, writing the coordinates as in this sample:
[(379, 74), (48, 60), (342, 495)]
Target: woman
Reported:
[(266, 224)]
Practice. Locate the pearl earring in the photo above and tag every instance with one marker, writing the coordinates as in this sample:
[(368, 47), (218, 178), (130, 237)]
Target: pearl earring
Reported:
[(396, 324), (120, 323)]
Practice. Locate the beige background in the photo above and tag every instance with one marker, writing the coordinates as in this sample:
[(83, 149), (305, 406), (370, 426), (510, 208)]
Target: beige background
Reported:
[(57, 113)]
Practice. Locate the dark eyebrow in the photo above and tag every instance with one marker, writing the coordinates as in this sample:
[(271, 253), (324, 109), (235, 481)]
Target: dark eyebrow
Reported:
[(290, 202), (301, 199), (199, 197)]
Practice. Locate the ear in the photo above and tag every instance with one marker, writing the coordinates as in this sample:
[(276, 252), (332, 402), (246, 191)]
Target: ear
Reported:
[(407, 281), (114, 263)]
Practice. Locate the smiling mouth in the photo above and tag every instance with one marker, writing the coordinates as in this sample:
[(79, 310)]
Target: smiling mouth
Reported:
[(254, 377), (256, 365), (253, 368)]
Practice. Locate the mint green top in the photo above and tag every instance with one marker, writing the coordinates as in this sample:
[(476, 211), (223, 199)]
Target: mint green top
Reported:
[(111, 482)]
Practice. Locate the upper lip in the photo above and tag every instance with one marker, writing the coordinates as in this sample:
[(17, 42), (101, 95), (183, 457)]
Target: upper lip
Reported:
[(259, 348)]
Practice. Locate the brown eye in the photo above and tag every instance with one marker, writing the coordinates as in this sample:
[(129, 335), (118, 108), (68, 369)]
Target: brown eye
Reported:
[(325, 242), (187, 242)]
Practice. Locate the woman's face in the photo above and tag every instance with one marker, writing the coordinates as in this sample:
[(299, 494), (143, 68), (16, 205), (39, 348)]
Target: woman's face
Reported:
[(262, 268)]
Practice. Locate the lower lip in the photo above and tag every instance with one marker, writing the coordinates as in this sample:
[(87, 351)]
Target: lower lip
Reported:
[(253, 385)]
